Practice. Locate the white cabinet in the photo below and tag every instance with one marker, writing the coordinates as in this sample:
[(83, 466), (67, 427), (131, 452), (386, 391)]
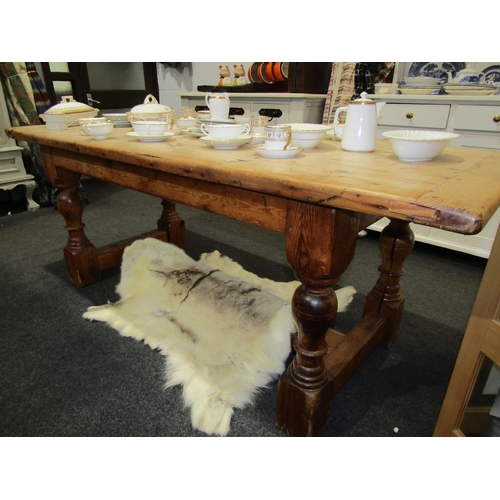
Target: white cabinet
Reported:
[(476, 119), (12, 171), (295, 108)]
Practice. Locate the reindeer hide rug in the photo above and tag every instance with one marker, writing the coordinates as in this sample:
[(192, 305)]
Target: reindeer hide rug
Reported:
[(225, 332)]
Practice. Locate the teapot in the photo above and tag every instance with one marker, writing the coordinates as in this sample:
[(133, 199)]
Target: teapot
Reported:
[(467, 75), (359, 132)]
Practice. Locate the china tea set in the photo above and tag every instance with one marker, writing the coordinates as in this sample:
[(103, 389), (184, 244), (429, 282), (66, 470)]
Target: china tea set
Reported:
[(153, 122)]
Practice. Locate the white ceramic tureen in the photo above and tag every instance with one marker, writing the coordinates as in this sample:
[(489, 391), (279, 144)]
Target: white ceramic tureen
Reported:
[(67, 113), (151, 110)]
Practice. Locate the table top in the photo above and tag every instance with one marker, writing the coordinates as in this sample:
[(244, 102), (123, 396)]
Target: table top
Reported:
[(459, 191)]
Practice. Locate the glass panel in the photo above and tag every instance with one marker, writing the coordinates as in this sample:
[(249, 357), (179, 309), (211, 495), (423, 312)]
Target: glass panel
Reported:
[(59, 66), (62, 89), (116, 76), (481, 416)]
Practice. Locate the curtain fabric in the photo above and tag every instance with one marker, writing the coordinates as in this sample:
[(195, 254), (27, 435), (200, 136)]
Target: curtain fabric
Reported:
[(18, 94), (340, 89), (40, 95)]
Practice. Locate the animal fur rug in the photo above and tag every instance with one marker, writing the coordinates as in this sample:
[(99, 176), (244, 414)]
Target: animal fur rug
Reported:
[(225, 332)]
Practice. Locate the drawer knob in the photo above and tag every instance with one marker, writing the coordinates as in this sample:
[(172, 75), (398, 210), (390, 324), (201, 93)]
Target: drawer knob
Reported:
[(409, 115), (496, 118)]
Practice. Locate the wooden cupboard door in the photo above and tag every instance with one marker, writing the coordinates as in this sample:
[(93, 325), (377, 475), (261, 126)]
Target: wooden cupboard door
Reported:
[(473, 395)]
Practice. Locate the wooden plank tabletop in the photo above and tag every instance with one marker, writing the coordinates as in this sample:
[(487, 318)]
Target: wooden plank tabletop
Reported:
[(459, 191)]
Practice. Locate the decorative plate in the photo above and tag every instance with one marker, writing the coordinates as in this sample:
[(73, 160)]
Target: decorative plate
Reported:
[(491, 74), (194, 131), (435, 69)]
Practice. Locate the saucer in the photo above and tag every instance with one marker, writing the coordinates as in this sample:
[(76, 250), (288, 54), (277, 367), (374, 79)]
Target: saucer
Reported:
[(278, 153), (194, 131), (332, 135), (257, 139), (151, 138), (227, 143), (220, 120), (175, 131)]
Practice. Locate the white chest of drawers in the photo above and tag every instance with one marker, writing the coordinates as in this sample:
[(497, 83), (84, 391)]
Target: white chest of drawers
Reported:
[(476, 119), (295, 108)]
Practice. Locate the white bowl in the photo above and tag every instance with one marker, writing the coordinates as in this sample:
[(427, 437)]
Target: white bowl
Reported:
[(222, 131), (186, 122), (150, 127), (386, 88), (308, 135), (418, 145)]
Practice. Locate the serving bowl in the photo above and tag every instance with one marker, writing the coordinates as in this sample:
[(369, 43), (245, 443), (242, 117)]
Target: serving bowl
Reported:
[(66, 113), (150, 127), (151, 110), (308, 135), (418, 145)]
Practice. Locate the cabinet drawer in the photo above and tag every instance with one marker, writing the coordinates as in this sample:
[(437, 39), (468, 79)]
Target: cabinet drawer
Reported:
[(414, 115), (483, 118)]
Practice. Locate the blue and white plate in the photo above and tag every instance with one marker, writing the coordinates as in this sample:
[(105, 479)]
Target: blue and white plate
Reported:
[(435, 69)]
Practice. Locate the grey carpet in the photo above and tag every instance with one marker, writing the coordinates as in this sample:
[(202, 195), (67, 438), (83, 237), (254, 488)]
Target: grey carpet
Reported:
[(61, 375)]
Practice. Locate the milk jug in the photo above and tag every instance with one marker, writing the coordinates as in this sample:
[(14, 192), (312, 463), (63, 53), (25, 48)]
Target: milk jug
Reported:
[(360, 129), (218, 105)]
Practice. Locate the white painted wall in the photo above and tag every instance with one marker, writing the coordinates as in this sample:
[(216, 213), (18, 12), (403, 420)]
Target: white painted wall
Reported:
[(172, 81)]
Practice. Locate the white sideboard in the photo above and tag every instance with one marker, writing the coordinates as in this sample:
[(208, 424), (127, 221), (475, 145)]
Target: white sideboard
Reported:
[(476, 119), (12, 171), (296, 108)]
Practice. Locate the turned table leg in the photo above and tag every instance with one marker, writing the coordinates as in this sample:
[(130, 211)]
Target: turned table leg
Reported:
[(172, 223), (320, 246), (80, 254), (386, 299)]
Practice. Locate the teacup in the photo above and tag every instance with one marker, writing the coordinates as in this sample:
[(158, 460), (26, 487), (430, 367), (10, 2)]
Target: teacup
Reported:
[(258, 124), (203, 114), (225, 132), (188, 113), (98, 130), (86, 121), (150, 127), (242, 118), (186, 122), (277, 137)]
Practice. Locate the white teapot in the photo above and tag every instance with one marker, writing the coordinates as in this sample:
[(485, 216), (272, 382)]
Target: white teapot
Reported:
[(359, 132), (467, 75)]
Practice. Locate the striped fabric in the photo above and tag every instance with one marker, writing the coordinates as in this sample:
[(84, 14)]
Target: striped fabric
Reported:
[(340, 89), (42, 101)]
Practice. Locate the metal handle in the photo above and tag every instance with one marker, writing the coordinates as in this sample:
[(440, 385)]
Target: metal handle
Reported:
[(91, 101), (496, 118), (409, 115)]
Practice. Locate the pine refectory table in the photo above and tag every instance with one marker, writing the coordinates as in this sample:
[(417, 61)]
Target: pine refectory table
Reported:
[(320, 200)]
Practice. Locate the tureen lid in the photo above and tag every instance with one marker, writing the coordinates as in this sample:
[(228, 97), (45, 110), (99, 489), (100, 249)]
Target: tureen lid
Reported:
[(68, 105), (151, 105)]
